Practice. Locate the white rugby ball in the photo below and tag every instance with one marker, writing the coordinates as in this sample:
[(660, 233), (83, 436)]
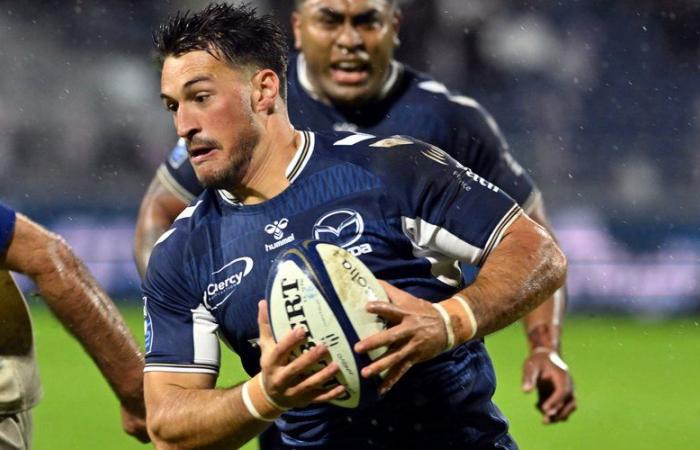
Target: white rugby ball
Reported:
[(323, 289)]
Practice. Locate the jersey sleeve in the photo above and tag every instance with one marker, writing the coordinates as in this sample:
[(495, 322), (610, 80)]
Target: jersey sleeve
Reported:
[(8, 218), (480, 145), (177, 174), (180, 332), (447, 208)]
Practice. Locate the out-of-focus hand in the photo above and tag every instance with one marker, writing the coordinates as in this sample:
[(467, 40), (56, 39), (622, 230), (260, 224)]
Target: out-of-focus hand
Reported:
[(288, 383), (416, 333), (134, 423), (546, 371)]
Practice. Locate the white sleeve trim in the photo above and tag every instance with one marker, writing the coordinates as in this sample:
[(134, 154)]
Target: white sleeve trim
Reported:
[(498, 232), (172, 185), (180, 368)]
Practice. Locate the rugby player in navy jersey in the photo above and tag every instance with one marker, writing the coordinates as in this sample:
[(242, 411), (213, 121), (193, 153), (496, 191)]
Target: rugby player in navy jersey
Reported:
[(345, 78), (85, 310), (223, 79)]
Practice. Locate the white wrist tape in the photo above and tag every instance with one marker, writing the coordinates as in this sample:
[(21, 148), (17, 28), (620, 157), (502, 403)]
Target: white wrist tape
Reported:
[(267, 396), (448, 325), (553, 356), (469, 314), (249, 404)]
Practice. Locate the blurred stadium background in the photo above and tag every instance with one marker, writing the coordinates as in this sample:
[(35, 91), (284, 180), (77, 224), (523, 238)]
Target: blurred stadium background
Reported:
[(600, 100)]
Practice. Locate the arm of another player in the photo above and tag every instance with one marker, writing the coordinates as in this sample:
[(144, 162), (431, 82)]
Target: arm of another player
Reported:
[(185, 411), (544, 368), (86, 311), (159, 208), (523, 270)]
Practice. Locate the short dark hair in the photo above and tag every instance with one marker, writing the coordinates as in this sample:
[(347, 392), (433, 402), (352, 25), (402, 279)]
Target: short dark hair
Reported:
[(298, 3), (237, 33)]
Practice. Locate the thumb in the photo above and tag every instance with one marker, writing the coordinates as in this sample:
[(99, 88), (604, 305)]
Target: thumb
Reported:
[(530, 374)]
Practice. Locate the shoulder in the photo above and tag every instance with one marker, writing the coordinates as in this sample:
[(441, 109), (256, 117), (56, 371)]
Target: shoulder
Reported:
[(174, 246), (390, 158), (449, 105)]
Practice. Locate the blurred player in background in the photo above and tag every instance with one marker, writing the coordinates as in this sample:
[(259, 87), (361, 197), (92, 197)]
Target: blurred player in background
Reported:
[(84, 309), (345, 78), (224, 80)]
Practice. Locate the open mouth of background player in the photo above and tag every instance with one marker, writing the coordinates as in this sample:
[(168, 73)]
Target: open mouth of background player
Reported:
[(350, 72)]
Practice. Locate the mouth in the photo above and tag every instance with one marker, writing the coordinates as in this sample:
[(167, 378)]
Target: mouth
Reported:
[(350, 72), (200, 153)]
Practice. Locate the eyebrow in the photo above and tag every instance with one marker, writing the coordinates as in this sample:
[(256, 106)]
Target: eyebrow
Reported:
[(189, 83)]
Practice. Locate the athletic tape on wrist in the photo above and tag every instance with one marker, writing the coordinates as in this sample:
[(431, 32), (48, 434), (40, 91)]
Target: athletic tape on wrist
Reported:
[(469, 314), (267, 396), (448, 325), (249, 404), (553, 356)]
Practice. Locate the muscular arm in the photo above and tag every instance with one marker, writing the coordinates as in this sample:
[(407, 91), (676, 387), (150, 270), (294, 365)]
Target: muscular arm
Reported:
[(522, 271), (158, 210), (185, 411), (75, 298), (542, 325)]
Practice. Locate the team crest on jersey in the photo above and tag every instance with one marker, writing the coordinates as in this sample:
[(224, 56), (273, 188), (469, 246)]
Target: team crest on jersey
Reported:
[(276, 229), (342, 227), (392, 141), (178, 155), (225, 280)]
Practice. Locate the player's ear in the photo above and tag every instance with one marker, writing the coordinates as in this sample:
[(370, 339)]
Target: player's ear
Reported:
[(266, 89), (296, 28)]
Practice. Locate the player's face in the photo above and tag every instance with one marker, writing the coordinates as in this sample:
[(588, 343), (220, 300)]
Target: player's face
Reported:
[(348, 46), (210, 103)]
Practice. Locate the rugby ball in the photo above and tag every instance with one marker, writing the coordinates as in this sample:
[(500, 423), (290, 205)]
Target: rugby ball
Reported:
[(324, 288)]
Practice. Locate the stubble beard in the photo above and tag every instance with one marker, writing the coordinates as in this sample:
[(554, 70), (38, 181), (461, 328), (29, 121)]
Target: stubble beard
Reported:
[(231, 175)]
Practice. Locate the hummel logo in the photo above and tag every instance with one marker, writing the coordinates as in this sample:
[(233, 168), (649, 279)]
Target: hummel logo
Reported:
[(276, 227)]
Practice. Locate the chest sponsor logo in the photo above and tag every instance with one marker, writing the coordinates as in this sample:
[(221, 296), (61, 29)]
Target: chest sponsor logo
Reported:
[(276, 229), (226, 280), (342, 227)]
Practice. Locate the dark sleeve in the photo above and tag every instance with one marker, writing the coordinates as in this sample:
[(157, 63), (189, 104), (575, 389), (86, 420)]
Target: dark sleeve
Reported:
[(480, 145), (180, 332), (8, 218), (178, 176), (445, 207)]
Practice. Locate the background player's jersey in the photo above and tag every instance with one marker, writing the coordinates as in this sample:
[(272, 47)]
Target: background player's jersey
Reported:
[(20, 388), (411, 104), (405, 208)]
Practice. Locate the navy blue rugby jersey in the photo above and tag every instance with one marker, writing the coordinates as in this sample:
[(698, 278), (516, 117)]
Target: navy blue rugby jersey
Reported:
[(7, 226), (410, 104), (407, 209)]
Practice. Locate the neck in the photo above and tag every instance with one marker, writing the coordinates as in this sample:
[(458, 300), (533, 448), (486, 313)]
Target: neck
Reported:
[(266, 176)]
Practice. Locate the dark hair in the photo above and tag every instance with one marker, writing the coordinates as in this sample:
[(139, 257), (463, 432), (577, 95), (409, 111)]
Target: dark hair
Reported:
[(298, 3), (237, 33)]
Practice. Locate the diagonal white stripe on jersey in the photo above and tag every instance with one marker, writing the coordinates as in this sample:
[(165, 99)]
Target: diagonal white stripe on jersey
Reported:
[(443, 249), (353, 139), (164, 236), (187, 212)]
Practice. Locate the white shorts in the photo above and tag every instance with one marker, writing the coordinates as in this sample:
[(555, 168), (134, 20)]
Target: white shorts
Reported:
[(16, 431)]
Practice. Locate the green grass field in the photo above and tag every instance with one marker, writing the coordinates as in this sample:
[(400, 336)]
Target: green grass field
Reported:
[(637, 386)]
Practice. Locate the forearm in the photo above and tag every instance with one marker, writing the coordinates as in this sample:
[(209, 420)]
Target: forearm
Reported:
[(79, 303), (543, 324), (186, 418), (521, 272)]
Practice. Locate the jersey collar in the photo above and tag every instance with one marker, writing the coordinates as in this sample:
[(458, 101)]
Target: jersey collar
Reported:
[(294, 169), (395, 71)]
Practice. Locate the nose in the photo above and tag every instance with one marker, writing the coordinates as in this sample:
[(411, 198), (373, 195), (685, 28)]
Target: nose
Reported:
[(349, 39), (186, 123)]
